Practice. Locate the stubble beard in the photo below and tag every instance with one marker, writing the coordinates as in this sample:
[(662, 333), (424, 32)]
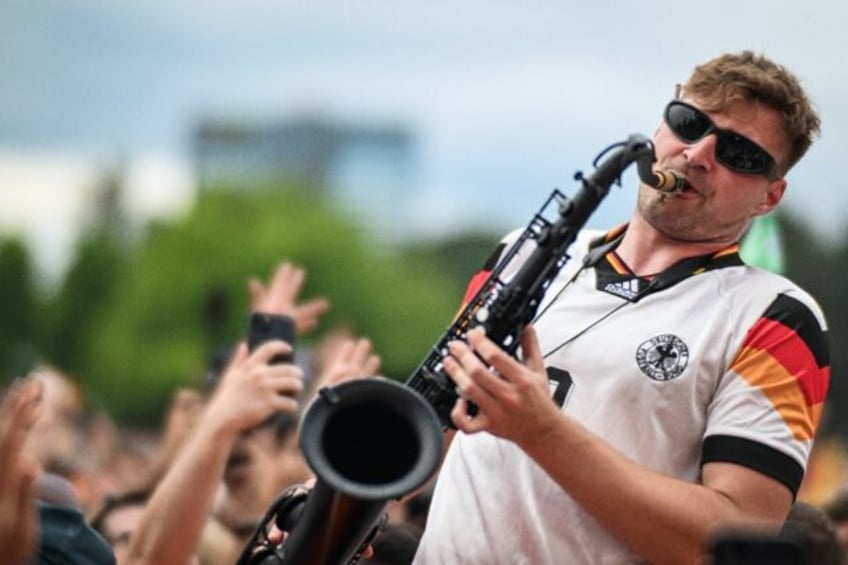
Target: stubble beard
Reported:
[(689, 222), (661, 212)]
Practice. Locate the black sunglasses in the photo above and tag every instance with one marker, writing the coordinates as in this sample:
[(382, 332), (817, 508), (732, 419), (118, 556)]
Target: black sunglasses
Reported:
[(734, 151)]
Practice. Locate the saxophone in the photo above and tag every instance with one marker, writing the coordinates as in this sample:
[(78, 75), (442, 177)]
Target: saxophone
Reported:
[(503, 308), (370, 441)]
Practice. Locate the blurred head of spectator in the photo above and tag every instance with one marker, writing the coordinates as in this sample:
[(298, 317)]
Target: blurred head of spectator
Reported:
[(57, 435), (117, 519), (59, 440), (264, 461), (815, 532), (396, 544), (837, 510)]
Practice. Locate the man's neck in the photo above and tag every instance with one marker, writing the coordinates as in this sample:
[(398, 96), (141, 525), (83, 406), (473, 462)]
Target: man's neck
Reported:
[(646, 251)]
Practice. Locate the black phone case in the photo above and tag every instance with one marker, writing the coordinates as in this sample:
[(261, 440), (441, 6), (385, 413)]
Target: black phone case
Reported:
[(267, 327)]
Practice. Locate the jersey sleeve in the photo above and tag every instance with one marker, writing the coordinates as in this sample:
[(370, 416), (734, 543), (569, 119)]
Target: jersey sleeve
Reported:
[(769, 403)]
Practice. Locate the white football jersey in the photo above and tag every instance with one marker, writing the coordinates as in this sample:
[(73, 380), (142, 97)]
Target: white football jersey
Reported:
[(711, 360)]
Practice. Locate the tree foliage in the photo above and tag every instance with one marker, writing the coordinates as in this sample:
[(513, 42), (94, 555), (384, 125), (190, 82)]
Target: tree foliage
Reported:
[(183, 293), (85, 292), (19, 326), (132, 323)]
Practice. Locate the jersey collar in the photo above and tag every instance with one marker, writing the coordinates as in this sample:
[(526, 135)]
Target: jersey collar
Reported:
[(613, 276)]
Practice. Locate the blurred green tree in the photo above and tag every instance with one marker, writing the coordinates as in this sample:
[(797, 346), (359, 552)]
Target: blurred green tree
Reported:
[(460, 255), (19, 322), (183, 294), (84, 294), (98, 264)]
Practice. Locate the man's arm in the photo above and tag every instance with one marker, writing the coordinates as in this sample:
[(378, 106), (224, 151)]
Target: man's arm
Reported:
[(664, 519)]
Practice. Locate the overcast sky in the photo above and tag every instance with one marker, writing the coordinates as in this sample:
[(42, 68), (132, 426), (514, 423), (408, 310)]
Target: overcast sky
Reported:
[(506, 99)]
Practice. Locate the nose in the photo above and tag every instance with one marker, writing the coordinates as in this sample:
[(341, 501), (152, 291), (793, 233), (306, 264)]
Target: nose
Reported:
[(701, 154)]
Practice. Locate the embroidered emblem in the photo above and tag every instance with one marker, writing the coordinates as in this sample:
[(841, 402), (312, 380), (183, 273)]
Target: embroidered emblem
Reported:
[(663, 357)]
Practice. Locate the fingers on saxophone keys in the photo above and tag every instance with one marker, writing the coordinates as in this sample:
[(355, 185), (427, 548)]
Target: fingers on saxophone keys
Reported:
[(465, 386), (463, 354), (455, 371)]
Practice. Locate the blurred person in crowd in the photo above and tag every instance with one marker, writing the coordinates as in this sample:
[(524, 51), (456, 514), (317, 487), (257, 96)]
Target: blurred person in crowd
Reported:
[(235, 443), (807, 537), (56, 436), (118, 518), (33, 530), (67, 539), (267, 459), (815, 533), (412, 509), (57, 439), (415, 508), (665, 389), (251, 390), (263, 460), (837, 510), (72, 447), (395, 544), (18, 472)]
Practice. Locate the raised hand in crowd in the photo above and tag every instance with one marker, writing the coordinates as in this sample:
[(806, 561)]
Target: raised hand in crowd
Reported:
[(344, 357), (18, 472), (280, 296), (252, 389)]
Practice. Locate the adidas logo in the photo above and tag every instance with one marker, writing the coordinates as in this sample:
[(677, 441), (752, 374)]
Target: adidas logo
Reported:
[(628, 289)]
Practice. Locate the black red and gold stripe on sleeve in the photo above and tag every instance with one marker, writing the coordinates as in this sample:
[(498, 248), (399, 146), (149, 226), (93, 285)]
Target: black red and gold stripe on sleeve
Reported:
[(785, 355)]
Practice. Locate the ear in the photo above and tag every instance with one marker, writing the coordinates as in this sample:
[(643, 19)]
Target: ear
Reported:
[(771, 197)]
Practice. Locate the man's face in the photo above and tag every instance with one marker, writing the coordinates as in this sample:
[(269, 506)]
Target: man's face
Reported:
[(119, 526), (718, 203), (259, 467)]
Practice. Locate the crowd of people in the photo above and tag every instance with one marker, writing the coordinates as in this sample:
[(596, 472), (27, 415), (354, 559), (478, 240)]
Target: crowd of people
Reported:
[(196, 491), (687, 389)]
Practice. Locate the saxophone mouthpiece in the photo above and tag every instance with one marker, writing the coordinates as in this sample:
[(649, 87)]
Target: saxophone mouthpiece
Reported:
[(667, 181)]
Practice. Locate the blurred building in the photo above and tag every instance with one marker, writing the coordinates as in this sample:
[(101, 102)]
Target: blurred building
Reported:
[(367, 168)]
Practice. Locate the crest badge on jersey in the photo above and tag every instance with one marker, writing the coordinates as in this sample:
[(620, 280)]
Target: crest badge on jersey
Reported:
[(663, 357)]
